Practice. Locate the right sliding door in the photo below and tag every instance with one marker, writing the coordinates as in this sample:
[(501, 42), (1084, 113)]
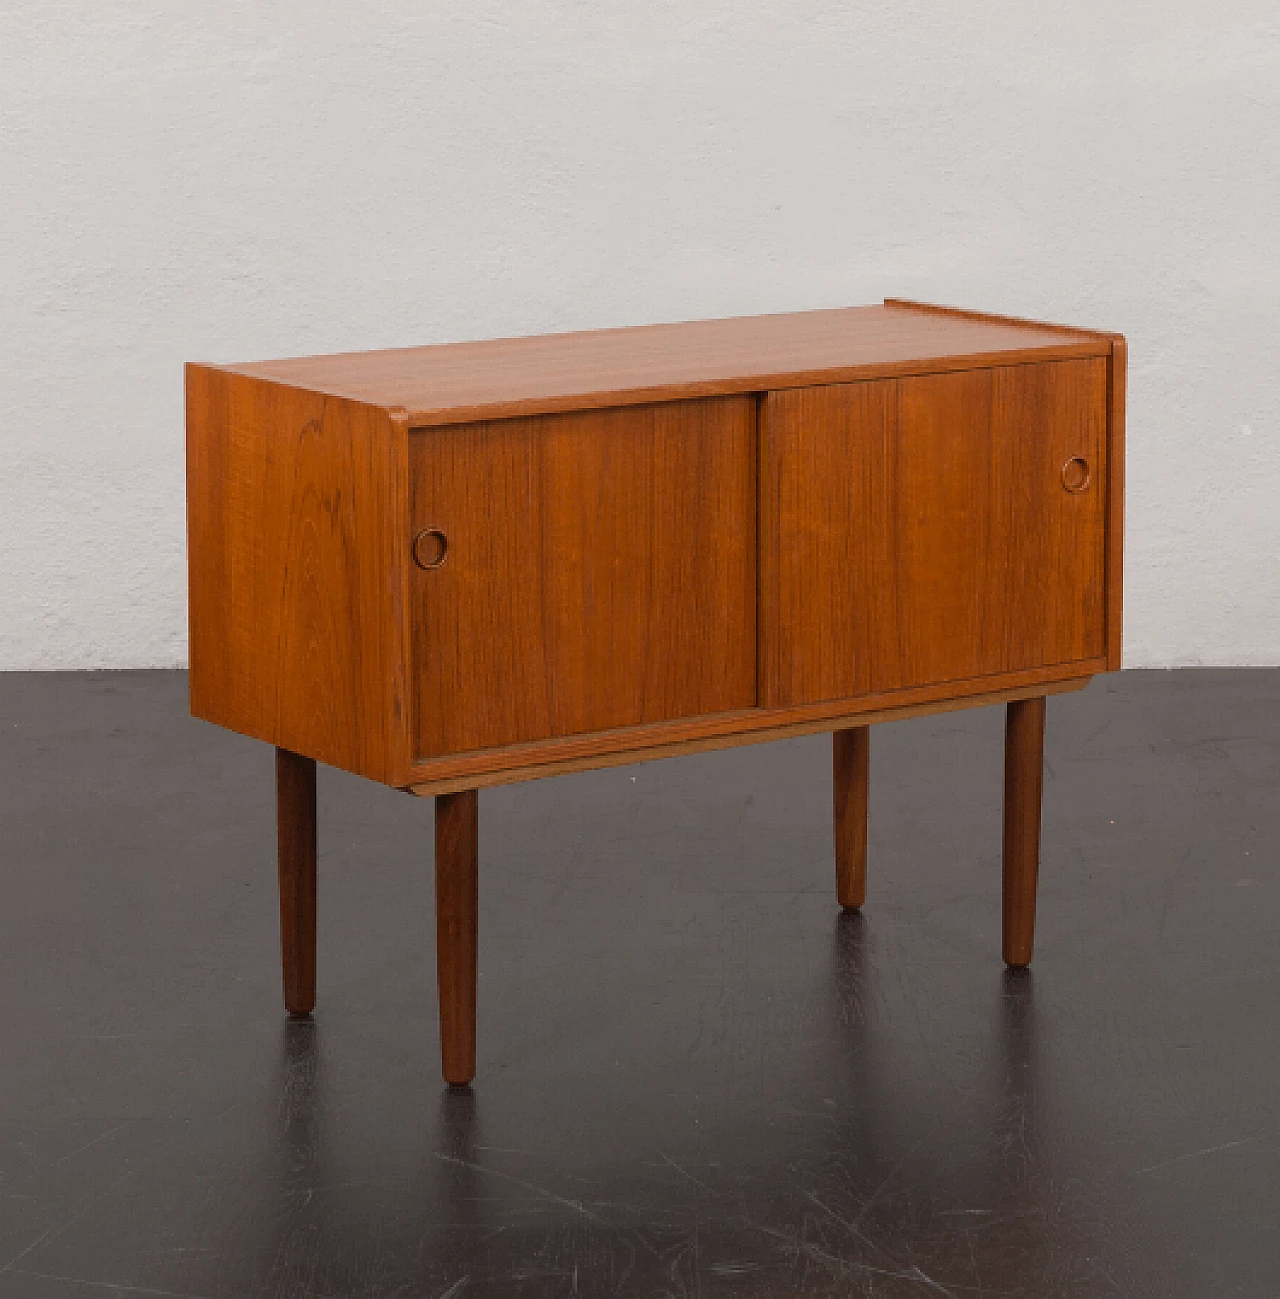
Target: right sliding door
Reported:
[(929, 529)]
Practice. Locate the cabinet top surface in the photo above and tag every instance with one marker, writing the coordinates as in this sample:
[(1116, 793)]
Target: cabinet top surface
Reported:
[(497, 378)]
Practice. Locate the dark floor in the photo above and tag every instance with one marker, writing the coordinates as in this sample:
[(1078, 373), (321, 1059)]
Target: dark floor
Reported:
[(695, 1075)]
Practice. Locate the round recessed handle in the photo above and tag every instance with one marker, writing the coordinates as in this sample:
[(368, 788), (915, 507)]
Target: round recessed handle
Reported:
[(430, 548), (1077, 474)]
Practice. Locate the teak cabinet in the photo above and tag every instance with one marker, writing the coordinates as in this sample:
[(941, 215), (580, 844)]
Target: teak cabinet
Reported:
[(456, 566)]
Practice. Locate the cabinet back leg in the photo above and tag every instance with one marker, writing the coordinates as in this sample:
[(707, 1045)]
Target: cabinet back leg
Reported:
[(296, 832), (851, 773), (457, 931), (1023, 790)]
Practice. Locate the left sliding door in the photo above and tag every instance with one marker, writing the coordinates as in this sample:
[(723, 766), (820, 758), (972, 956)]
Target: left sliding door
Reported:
[(585, 571)]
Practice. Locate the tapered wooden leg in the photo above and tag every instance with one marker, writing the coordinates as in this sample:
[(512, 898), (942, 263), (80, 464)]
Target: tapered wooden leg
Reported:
[(296, 829), (1023, 788), (851, 771), (457, 909)]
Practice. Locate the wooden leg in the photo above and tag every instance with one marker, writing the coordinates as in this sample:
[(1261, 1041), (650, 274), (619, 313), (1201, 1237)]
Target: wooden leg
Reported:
[(1023, 787), (296, 829), (457, 908), (851, 770)]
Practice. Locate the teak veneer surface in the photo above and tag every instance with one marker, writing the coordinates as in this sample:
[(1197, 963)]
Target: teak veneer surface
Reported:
[(749, 726), (298, 548), (659, 535), (601, 572), (913, 532), (453, 382), (541, 761), (1117, 368)]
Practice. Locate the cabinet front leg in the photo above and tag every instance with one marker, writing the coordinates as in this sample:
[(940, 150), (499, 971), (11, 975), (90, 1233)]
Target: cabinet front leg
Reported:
[(1023, 789), (851, 772), (296, 832), (457, 908)]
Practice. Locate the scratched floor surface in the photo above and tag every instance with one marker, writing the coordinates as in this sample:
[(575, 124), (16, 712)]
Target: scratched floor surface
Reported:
[(696, 1077)]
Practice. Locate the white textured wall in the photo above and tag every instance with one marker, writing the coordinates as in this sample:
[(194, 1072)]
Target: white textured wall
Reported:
[(237, 180)]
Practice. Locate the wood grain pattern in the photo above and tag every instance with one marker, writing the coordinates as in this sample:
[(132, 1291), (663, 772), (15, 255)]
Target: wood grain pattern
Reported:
[(600, 573), (1117, 367), (499, 378), (1117, 364), (296, 511), (296, 834), (457, 931), (917, 530), (901, 547), (1052, 595), (851, 782), (1023, 791), (826, 539), (545, 760)]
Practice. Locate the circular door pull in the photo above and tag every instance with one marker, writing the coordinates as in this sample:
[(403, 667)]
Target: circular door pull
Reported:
[(430, 548), (1077, 474)]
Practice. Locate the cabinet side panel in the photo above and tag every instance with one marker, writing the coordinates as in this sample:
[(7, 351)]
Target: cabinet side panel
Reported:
[(600, 572), (297, 554), (1117, 368)]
